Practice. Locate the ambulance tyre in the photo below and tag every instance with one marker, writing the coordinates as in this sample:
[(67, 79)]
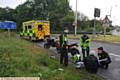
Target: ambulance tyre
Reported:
[(30, 38), (21, 35)]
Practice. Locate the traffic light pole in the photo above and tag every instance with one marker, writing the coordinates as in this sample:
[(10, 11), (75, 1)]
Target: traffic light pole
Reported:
[(94, 29), (96, 14)]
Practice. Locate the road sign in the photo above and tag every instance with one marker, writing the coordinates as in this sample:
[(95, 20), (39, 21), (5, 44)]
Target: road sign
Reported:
[(106, 22), (7, 25)]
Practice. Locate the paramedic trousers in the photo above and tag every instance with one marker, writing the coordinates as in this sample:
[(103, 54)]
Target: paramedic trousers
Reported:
[(104, 64), (64, 56), (85, 52)]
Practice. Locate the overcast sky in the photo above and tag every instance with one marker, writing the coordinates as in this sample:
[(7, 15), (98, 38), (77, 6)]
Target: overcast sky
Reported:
[(87, 7), (84, 6)]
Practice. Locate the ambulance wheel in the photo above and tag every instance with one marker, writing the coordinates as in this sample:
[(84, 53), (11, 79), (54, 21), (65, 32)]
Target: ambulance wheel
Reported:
[(21, 35), (30, 38)]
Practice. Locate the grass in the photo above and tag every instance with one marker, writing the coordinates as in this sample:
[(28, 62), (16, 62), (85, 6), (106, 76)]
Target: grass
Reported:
[(21, 58), (107, 38)]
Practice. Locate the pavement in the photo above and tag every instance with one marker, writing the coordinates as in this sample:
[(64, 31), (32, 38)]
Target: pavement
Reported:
[(113, 73)]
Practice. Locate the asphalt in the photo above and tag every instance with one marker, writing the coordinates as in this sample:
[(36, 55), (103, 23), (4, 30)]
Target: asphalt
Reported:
[(113, 73)]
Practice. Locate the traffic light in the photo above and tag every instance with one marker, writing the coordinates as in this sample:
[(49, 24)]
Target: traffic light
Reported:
[(96, 12)]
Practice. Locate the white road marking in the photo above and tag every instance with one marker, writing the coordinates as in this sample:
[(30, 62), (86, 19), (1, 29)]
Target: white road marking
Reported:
[(112, 54)]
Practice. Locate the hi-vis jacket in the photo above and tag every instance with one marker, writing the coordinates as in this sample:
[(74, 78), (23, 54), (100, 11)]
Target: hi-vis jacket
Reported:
[(84, 42), (77, 58), (63, 40)]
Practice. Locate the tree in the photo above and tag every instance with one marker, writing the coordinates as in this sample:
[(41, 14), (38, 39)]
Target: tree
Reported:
[(82, 17), (6, 14), (67, 21), (83, 22), (98, 25), (58, 12), (54, 10), (24, 13)]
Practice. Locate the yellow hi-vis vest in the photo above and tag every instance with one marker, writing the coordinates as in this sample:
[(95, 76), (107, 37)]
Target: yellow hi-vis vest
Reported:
[(77, 57), (85, 44), (64, 40)]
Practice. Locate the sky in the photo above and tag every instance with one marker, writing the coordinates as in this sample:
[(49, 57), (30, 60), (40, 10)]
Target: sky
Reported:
[(84, 6), (87, 7)]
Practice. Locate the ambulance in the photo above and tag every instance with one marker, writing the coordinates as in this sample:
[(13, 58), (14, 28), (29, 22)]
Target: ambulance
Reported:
[(35, 29)]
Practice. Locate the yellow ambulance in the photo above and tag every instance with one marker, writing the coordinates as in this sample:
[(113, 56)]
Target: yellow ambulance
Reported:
[(35, 29)]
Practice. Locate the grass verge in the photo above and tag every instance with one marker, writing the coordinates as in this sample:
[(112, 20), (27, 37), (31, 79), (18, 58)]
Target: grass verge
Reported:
[(20, 58), (102, 38)]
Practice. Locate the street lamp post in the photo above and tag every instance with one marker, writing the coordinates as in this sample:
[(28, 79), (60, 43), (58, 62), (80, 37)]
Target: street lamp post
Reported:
[(76, 19)]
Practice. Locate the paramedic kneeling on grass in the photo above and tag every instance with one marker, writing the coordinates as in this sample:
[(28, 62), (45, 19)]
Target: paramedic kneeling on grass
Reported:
[(104, 58)]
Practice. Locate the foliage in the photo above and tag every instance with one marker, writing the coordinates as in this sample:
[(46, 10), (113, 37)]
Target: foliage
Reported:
[(7, 14), (20, 58), (53, 10), (58, 12)]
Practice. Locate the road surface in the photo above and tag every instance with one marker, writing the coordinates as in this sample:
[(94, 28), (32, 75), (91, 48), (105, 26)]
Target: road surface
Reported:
[(113, 73)]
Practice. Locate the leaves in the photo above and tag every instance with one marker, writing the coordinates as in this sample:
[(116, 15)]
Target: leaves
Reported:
[(58, 12)]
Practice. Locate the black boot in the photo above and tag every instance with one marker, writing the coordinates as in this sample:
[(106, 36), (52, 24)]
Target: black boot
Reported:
[(106, 66)]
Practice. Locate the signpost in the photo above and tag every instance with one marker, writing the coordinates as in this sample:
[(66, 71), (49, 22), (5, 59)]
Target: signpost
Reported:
[(8, 25)]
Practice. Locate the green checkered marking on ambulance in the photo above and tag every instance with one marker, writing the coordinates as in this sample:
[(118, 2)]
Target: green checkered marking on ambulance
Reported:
[(29, 33)]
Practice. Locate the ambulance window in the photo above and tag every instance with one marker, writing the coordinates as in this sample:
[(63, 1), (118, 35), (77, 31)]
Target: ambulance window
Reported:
[(29, 27), (25, 28), (40, 27)]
